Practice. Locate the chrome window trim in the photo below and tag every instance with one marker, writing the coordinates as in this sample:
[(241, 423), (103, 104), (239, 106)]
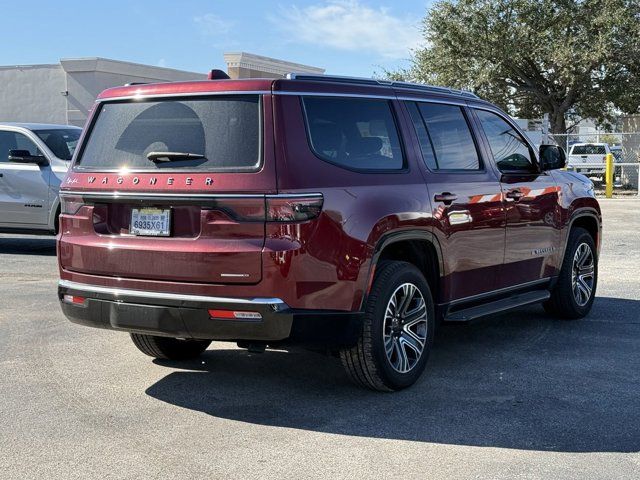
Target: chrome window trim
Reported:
[(118, 292), (182, 94), (332, 94)]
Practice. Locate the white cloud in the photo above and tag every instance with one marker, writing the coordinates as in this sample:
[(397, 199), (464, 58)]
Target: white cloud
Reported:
[(211, 25), (353, 26)]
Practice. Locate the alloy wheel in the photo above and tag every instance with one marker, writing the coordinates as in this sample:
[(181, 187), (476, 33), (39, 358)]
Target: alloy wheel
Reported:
[(583, 274), (405, 327)]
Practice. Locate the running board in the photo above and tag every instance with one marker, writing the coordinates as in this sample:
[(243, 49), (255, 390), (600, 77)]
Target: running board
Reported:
[(498, 306)]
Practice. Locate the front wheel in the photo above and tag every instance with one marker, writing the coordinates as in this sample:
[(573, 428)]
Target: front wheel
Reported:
[(397, 331), (575, 290), (167, 348)]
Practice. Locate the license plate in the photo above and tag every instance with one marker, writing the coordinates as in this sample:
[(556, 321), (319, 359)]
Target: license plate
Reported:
[(153, 222)]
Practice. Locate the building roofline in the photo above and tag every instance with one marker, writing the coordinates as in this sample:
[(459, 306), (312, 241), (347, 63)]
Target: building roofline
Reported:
[(109, 65), (35, 65), (267, 64)]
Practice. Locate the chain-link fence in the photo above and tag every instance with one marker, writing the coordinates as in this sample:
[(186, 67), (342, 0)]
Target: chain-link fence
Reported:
[(586, 153)]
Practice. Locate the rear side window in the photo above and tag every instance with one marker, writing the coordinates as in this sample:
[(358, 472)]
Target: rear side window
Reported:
[(224, 131), (588, 150), (356, 133), (445, 137)]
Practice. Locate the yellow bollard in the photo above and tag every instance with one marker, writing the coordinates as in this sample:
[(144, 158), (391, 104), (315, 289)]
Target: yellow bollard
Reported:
[(609, 174)]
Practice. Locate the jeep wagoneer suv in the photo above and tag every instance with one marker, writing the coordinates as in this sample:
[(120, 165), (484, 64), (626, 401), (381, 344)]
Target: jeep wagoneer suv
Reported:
[(351, 213)]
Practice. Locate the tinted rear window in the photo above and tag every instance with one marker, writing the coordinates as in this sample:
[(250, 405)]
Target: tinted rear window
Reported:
[(356, 133), (588, 150), (226, 130)]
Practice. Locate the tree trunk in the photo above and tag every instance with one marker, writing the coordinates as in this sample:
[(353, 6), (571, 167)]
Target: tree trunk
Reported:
[(558, 123)]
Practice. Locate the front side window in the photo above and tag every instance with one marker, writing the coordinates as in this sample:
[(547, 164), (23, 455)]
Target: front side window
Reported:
[(445, 137), (214, 134), (510, 150), (15, 141), (356, 133)]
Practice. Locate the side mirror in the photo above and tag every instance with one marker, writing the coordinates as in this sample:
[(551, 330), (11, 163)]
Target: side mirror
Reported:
[(24, 156), (552, 157)]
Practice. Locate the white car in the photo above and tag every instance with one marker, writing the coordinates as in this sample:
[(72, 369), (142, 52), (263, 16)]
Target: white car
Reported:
[(588, 158), (34, 158)]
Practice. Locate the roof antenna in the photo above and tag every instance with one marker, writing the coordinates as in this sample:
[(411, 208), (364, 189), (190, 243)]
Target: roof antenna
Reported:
[(216, 74)]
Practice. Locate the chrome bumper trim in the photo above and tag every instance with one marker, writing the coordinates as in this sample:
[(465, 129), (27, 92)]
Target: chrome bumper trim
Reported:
[(275, 303)]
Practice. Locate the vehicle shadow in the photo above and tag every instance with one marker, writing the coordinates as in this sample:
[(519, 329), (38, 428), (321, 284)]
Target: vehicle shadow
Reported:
[(519, 380), (28, 245)]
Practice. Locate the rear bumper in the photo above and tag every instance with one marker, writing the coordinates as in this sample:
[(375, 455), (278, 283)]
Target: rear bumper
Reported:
[(187, 316)]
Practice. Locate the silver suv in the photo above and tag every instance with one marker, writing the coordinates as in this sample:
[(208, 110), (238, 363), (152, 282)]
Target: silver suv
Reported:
[(34, 158)]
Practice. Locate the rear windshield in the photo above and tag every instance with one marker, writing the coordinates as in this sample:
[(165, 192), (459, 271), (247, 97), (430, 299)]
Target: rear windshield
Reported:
[(61, 141), (588, 150), (220, 134)]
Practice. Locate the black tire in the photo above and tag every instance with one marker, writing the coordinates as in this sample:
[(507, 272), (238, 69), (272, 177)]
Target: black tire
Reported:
[(563, 302), (367, 363), (169, 348), (56, 223)]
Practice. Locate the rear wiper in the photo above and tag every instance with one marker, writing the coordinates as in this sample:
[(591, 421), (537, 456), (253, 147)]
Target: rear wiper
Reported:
[(172, 156)]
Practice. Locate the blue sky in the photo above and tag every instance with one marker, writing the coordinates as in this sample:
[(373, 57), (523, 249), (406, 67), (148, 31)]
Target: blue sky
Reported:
[(347, 37)]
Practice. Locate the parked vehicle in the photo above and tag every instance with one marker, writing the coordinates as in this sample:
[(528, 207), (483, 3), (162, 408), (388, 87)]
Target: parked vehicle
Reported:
[(618, 153), (34, 158), (350, 213), (589, 158)]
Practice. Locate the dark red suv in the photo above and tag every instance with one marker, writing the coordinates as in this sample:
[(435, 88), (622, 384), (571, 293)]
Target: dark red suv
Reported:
[(352, 213)]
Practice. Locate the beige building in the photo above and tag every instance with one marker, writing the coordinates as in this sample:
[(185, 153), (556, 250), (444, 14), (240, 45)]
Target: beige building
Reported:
[(65, 92), (248, 65)]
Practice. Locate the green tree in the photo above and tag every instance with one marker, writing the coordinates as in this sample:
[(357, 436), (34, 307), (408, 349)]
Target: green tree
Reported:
[(577, 58)]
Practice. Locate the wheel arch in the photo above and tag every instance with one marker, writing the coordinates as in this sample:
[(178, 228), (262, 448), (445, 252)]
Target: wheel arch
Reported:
[(54, 213), (590, 220), (409, 246)]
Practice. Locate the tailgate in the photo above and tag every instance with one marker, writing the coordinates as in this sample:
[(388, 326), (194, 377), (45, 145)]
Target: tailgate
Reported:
[(171, 189), (213, 240)]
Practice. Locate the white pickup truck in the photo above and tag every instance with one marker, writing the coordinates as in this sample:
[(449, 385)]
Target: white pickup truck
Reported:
[(588, 158), (34, 158)]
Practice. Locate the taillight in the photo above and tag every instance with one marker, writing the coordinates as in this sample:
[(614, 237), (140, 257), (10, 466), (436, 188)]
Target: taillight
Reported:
[(241, 209), (70, 204), (294, 208)]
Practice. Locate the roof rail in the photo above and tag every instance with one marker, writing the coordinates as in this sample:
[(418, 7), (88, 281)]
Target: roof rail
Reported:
[(373, 81)]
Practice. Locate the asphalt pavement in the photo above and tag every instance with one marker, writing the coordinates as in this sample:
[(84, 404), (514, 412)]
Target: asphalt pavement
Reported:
[(518, 395)]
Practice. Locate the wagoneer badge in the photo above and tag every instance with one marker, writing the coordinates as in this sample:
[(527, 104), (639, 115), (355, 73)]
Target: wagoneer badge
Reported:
[(136, 180)]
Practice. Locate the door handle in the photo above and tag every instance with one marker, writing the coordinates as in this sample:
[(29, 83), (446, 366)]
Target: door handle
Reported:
[(445, 197), (515, 194)]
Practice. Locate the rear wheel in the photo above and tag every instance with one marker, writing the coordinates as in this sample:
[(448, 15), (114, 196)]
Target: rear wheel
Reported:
[(169, 348), (56, 222), (397, 332), (574, 292)]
